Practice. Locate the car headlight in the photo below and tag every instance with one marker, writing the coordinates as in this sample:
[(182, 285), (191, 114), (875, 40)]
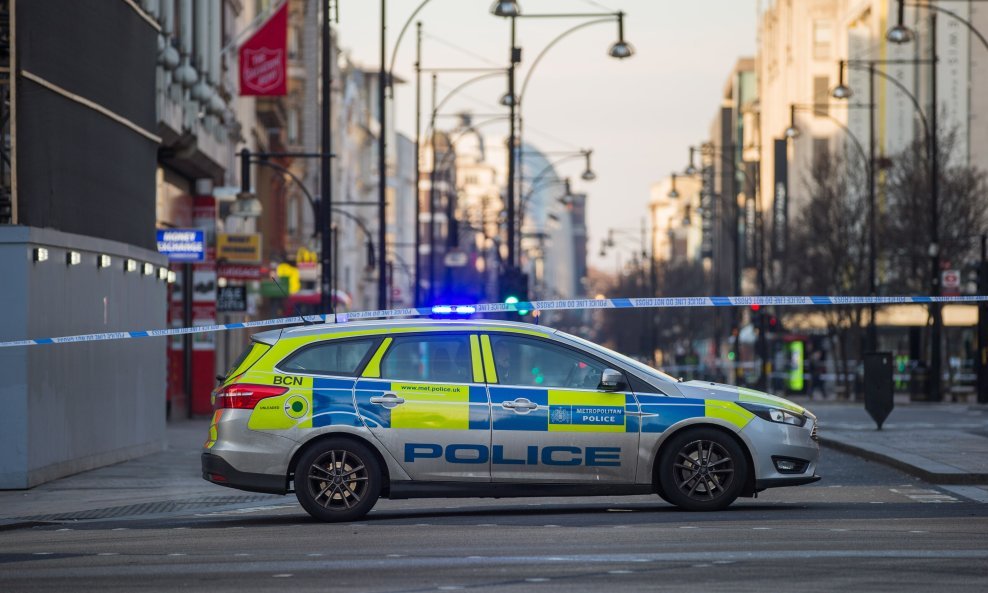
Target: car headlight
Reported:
[(774, 414)]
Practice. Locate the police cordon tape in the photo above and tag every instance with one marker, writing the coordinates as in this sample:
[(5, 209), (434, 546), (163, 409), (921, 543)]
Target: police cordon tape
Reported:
[(560, 305)]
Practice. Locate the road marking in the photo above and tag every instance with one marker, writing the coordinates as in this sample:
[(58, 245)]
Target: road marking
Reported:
[(926, 495), (621, 571), (687, 526), (43, 553), (970, 492), (107, 554), (536, 580), (282, 576)]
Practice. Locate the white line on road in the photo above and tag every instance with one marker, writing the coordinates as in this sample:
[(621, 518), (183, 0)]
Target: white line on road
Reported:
[(970, 492), (924, 495)]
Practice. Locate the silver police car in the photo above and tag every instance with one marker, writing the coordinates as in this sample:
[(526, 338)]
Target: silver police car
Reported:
[(344, 414)]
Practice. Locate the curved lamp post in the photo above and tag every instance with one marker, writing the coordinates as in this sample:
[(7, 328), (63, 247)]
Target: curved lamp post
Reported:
[(511, 9), (437, 105), (900, 33), (587, 175), (842, 91)]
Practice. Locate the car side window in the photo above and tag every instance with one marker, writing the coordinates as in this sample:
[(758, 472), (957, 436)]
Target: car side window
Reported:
[(334, 357), (441, 358), (538, 363)]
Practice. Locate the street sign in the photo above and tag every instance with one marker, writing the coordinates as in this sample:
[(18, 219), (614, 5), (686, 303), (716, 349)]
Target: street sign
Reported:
[(950, 282), (239, 272), (241, 248), (182, 245), (231, 299)]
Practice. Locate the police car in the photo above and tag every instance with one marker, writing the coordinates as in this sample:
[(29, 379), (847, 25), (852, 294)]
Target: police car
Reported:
[(344, 414)]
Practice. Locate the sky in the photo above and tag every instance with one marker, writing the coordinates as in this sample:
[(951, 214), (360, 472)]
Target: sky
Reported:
[(638, 115)]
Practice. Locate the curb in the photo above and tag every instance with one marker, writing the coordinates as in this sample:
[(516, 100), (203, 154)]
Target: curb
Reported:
[(15, 524), (934, 477)]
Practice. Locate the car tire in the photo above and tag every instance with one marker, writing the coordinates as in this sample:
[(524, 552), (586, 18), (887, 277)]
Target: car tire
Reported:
[(337, 480), (702, 469)]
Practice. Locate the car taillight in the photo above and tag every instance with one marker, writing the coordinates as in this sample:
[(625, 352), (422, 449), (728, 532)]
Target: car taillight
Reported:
[(244, 396)]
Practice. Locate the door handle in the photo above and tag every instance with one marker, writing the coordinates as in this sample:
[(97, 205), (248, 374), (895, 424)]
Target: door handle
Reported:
[(388, 400), (521, 405)]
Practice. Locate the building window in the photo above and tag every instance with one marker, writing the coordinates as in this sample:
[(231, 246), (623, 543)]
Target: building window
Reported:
[(294, 48), (821, 96), (292, 126), (823, 34)]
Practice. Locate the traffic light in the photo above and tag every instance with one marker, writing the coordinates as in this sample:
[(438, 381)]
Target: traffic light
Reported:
[(513, 287)]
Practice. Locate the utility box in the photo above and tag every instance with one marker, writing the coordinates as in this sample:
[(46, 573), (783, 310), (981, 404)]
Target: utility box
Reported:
[(878, 386)]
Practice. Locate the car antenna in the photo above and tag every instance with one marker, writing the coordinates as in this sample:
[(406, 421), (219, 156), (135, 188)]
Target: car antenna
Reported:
[(298, 313)]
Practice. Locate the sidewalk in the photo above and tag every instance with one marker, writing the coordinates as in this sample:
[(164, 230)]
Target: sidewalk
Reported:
[(159, 483), (939, 443)]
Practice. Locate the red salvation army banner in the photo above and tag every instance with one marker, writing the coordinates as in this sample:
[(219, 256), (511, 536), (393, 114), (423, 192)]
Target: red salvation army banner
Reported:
[(263, 65)]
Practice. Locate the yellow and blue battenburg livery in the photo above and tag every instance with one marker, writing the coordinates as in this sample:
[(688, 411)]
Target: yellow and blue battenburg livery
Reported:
[(343, 414)]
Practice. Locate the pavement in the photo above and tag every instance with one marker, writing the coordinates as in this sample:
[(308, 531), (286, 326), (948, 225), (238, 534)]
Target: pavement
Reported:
[(938, 443), (157, 484), (943, 444)]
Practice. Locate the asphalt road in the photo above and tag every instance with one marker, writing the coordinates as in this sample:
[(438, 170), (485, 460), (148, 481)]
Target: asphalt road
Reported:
[(865, 527)]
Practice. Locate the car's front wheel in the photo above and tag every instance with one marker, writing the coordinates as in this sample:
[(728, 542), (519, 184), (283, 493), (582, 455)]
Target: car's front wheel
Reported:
[(702, 469), (337, 480)]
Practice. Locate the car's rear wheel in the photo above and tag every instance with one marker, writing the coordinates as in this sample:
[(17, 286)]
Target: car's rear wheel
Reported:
[(337, 480), (702, 469)]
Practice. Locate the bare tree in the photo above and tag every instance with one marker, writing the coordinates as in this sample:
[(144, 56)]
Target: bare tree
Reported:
[(906, 223), (828, 250)]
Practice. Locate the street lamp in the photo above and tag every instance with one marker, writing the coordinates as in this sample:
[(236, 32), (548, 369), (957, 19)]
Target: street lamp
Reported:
[(842, 91), (246, 206), (691, 168), (510, 9), (900, 33), (672, 192), (621, 48), (436, 107), (506, 8)]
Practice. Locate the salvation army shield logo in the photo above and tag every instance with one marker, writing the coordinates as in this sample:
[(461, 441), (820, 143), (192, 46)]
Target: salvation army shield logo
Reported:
[(263, 69)]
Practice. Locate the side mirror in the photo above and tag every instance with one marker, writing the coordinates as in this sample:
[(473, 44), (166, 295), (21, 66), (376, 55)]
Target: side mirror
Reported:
[(611, 380)]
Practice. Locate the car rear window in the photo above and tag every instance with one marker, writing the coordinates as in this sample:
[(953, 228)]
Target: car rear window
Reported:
[(251, 354), (336, 357)]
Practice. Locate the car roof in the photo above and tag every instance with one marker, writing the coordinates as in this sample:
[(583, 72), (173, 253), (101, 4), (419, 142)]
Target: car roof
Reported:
[(381, 325)]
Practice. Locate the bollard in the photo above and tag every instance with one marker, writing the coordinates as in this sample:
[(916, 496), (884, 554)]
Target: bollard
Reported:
[(878, 386)]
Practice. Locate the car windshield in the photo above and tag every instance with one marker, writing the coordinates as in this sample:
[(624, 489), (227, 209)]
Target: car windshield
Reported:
[(625, 359)]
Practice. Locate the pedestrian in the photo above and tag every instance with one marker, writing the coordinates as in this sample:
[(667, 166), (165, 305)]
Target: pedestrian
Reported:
[(816, 379)]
